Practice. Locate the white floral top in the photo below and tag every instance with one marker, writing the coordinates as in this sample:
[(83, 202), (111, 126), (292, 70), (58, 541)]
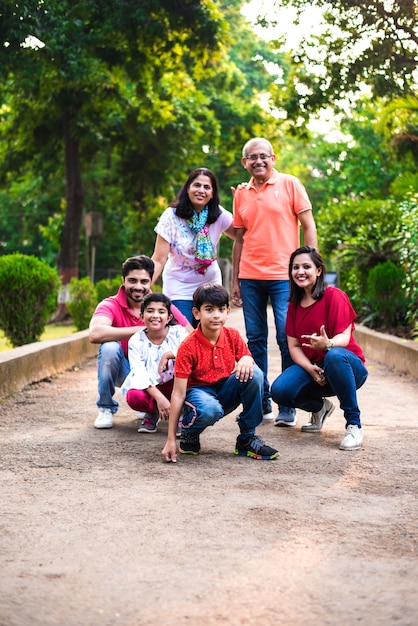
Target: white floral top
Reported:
[(180, 276), (144, 358)]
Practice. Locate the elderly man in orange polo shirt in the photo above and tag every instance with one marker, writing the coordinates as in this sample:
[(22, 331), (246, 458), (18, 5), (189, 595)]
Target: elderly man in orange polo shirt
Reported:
[(268, 213)]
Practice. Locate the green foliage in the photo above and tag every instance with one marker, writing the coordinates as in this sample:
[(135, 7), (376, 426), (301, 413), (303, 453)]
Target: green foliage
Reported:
[(408, 253), (359, 43), (386, 295), (106, 288), (356, 236), (29, 290), (83, 301), (150, 90)]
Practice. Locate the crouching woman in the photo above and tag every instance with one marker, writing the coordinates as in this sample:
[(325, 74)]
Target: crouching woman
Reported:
[(327, 359)]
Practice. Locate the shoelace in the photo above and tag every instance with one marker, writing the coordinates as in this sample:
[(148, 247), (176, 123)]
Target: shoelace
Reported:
[(256, 442)]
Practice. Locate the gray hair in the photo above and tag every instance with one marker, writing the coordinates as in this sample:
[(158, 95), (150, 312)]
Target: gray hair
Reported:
[(255, 140)]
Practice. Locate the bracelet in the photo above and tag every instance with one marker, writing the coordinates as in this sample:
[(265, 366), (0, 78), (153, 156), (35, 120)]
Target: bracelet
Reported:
[(329, 346)]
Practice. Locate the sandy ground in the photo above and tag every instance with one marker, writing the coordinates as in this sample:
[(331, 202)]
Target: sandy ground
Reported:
[(96, 529)]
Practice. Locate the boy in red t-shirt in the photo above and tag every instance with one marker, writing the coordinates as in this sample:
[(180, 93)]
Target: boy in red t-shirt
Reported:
[(214, 373)]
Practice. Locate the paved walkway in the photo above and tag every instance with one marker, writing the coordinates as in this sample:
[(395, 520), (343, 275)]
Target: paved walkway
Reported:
[(96, 530)]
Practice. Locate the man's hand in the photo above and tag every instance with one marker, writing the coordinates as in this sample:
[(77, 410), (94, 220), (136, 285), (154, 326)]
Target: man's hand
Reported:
[(236, 295)]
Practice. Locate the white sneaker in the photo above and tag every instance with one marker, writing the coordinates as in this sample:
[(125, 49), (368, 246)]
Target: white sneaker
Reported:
[(104, 419), (353, 438)]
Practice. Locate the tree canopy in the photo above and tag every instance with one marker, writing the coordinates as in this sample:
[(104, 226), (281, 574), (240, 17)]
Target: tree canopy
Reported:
[(371, 43)]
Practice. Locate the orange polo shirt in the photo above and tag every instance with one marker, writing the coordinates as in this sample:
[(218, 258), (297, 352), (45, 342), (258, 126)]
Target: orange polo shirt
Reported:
[(270, 218)]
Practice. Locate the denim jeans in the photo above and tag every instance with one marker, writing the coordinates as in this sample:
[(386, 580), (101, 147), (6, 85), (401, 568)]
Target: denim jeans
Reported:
[(206, 405), (255, 295), (112, 369), (345, 373), (185, 307)]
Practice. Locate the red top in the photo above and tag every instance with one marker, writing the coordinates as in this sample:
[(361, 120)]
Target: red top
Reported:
[(334, 311), (116, 309), (204, 363)]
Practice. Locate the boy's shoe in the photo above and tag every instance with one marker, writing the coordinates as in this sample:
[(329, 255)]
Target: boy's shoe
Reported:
[(255, 448), (149, 423), (189, 442), (353, 438), (318, 418), (104, 419), (286, 417)]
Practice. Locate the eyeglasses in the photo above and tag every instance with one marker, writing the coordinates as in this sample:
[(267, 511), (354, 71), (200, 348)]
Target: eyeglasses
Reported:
[(255, 157)]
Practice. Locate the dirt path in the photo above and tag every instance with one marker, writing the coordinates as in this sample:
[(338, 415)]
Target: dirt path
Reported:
[(96, 530)]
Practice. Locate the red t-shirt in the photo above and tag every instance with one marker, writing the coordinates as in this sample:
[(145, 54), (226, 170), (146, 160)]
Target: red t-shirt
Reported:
[(117, 310), (204, 363), (334, 311)]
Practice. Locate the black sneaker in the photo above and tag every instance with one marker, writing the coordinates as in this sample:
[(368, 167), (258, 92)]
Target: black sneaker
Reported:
[(189, 442), (255, 447)]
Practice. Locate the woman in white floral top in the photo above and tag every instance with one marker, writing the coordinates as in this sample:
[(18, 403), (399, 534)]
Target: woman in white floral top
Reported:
[(188, 233)]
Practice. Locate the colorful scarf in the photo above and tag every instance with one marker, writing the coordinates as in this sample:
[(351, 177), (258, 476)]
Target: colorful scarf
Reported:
[(204, 251)]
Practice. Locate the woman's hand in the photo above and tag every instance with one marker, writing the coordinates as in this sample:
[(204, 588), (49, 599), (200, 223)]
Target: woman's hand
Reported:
[(318, 375), (317, 342)]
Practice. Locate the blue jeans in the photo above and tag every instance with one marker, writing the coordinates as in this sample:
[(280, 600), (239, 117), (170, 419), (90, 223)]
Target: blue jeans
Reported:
[(345, 373), (112, 369), (185, 307), (206, 405), (255, 295)]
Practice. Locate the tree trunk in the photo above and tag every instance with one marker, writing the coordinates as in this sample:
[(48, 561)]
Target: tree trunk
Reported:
[(70, 242)]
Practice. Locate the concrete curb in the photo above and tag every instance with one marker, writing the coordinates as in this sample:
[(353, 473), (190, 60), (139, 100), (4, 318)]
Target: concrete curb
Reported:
[(395, 352), (34, 362)]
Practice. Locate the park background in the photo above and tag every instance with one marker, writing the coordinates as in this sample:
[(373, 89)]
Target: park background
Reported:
[(106, 106)]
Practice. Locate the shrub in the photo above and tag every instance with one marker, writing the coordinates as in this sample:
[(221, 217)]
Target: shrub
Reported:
[(29, 289), (83, 300), (107, 287), (385, 293)]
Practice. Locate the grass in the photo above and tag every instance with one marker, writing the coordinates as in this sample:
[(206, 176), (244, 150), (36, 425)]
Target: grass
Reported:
[(53, 331)]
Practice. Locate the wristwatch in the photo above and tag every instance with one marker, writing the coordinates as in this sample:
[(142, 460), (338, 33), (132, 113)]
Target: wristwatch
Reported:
[(329, 346)]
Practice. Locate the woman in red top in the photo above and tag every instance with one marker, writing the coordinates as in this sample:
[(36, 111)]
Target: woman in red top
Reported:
[(327, 359)]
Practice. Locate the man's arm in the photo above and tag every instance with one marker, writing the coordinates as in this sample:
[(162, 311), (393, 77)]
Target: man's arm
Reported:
[(308, 228), (101, 330), (236, 259)]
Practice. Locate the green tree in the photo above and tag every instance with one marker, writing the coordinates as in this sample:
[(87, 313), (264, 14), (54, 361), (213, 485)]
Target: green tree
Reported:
[(373, 43), (75, 68)]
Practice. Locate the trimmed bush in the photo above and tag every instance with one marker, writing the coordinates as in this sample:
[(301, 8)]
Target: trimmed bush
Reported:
[(385, 293), (83, 300), (29, 289), (107, 287)]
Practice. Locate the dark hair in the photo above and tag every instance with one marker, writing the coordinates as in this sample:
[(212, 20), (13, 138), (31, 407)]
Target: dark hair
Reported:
[(210, 294), (297, 293), (140, 262), (184, 207), (156, 297)]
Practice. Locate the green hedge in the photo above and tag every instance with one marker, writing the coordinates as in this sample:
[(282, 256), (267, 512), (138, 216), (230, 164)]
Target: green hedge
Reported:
[(29, 289)]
